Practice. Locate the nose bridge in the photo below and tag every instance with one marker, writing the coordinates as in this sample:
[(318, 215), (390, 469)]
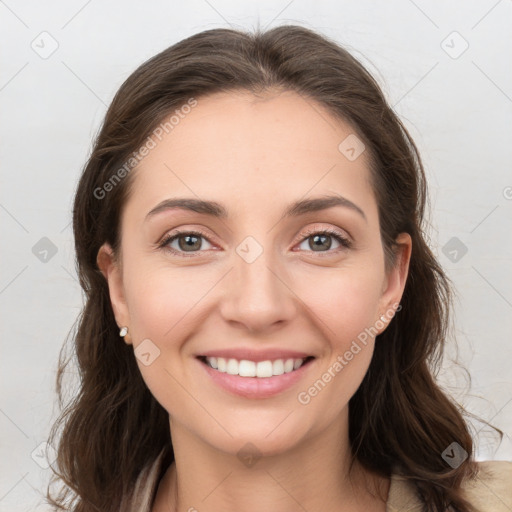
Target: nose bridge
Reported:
[(256, 263), (258, 294)]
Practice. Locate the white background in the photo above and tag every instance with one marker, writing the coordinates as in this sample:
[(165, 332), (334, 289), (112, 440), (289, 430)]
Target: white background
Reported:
[(457, 109)]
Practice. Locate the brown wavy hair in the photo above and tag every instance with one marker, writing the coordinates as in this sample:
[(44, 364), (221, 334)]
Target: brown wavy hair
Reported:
[(400, 420)]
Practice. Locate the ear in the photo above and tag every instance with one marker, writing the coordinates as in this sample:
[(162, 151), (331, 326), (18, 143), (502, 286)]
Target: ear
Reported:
[(111, 270), (394, 283)]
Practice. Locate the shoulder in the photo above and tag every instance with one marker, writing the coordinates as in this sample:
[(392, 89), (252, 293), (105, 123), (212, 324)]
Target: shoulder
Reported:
[(491, 489)]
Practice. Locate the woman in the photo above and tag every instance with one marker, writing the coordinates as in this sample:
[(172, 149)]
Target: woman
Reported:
[(250, 224)]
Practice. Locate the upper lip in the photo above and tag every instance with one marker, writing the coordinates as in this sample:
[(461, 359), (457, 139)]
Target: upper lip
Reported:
[(255, 355)]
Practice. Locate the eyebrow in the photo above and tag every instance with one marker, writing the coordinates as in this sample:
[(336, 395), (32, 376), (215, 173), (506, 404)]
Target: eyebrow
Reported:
[(217, 210)]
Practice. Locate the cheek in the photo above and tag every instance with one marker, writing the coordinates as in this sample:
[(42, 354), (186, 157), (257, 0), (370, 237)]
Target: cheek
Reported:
[(344, 301), (161, 306), (159, 299), (345, 304)]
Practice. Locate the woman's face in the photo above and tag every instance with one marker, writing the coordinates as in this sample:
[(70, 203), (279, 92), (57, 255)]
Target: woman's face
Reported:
[(257, 279)]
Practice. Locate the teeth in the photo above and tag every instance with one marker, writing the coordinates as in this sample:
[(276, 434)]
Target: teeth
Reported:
[(245, 368), (278, 367)]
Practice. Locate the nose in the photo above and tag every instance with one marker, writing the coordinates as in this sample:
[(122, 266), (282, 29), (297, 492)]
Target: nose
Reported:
[(258, 294)]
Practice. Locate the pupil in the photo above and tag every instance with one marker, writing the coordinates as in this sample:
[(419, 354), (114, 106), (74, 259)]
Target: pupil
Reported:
[(317, 238), (189, 244)]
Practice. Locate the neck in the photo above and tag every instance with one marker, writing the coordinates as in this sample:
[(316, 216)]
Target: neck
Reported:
[(314, 475)]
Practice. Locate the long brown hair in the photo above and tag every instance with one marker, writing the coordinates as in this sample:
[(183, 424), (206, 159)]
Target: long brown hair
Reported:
[(400, 421)]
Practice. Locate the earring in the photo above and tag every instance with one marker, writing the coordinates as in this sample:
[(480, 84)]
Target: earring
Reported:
[(123, 332), (383, 319)]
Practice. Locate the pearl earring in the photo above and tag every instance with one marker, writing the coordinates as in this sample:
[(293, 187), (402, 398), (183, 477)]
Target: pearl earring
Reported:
[(123, 332)]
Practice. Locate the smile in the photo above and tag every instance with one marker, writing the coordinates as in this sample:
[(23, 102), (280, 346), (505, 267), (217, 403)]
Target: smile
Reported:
[(260, 369), (251, 379)]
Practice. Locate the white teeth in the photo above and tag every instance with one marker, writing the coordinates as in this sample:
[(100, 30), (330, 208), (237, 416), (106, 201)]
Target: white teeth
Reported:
[(278, 367), (264, 369), (232, 367), (246, 368)]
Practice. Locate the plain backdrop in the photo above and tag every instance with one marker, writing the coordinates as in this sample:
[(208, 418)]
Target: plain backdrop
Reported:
[(445, 68)]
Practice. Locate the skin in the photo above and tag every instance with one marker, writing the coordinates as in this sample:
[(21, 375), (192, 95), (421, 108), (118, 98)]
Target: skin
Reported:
[(255, 155)]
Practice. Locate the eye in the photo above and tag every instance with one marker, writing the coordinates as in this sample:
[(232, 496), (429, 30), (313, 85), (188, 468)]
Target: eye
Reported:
[(187, 242), (191, 242), (319, 239)]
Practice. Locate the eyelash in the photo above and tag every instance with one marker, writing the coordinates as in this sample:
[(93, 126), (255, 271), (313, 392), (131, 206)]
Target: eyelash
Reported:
[(344, 242)]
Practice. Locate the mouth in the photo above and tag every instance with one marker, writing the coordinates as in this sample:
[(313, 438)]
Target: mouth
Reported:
[(255, 369), (255, 379)]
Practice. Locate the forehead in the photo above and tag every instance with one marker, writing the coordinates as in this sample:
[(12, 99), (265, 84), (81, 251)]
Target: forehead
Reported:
[(252, 149)]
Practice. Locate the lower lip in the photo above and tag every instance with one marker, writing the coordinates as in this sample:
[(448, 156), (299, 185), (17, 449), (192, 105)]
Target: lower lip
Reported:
[(256, 387)]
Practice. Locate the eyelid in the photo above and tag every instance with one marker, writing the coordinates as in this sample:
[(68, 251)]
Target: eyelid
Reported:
[(180, 231), (331, 230)]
